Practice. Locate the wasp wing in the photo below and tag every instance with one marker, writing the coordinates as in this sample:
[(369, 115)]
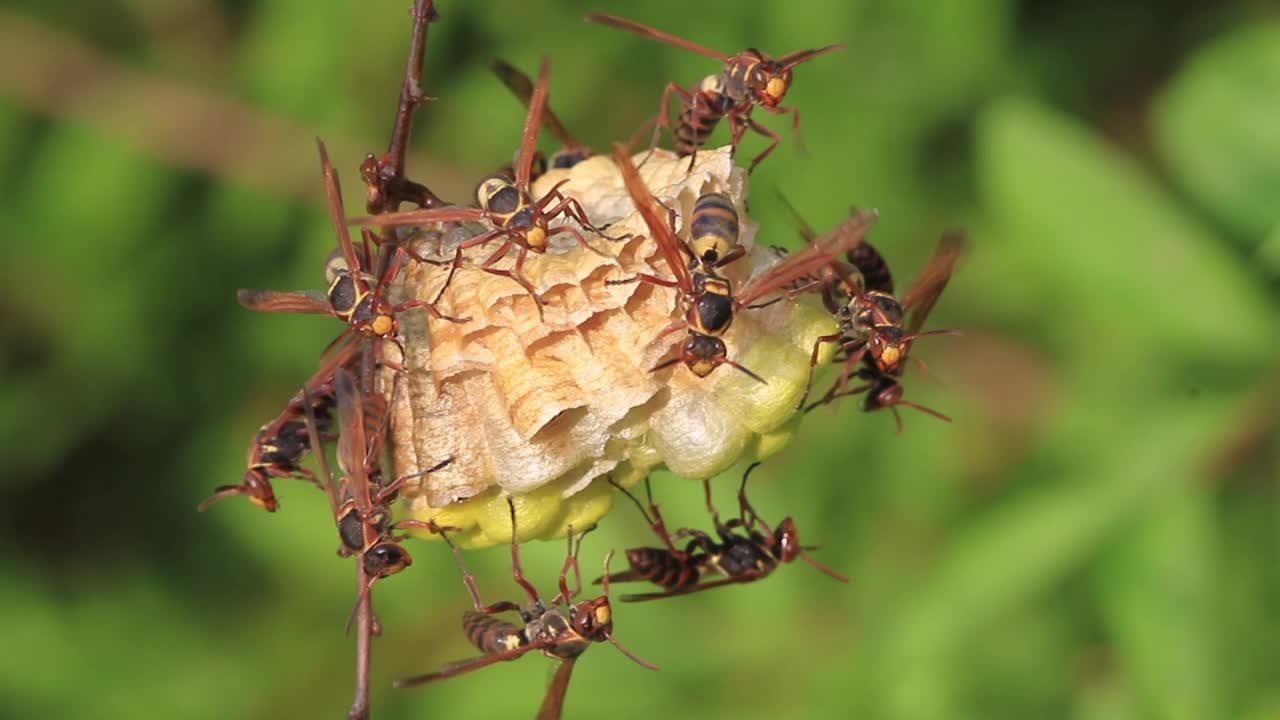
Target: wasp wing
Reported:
[(823, 251), (423, 217), (932, 280), (522, 86), (461, 667), (311, 302), (655, 216), (553, 703), (793, 59), (632, 26)]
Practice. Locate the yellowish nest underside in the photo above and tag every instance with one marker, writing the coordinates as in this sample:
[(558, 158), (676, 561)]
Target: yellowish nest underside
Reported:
[(545, 409)]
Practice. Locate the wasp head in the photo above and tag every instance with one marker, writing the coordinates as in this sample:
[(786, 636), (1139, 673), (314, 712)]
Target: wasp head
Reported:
[(256, 485), (885, 392), (771, 81), (703, 353), (593, 619), (788, 541), (386, 558)]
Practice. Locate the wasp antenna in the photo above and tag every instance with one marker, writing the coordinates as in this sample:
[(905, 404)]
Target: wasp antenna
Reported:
[(632, 656), (750, 374), (923, 409), (822, 568), (664, 364)]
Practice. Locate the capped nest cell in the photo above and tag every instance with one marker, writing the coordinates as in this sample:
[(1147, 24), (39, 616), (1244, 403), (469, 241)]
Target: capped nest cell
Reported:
[(545, 407)]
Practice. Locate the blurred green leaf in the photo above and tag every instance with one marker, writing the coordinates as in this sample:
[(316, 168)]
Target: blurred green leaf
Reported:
[(1269, 251), (1217, 127), (1158, 597), (1078, 210), (1007, 557)]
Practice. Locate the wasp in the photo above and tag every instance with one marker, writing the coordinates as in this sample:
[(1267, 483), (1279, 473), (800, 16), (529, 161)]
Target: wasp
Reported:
[(875, 334), (505, 201), (572, 152), (748, 79), (361, 503), (744, 550), (279, 446), (562, 629), (709, 297), (353, 296)]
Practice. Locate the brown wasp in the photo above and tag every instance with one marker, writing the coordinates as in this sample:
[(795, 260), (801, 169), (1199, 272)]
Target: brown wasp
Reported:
[(740, 557), (522, 86), (562, 630), (278, 447), (353, 296), (522, 223), (864, 268), (875, 334), (749, 79), (709, 298), (361, 504)]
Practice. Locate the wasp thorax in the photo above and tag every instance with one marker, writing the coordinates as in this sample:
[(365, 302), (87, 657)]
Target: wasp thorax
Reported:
[(544, 404), (497, 194)]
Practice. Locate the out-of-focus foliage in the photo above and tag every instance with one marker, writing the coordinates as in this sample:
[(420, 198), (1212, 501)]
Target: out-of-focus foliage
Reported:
[(1093, 537)]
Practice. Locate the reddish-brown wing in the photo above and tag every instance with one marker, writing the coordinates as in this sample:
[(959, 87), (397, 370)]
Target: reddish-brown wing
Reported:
[(333, 193), (532, 122), (655, 216), (932, 280), (790, 60), (823, 251), (423, 217), (646, 31), (331, 487), (322, 375), (553, 703), (522, 86), (744, 578), (462, 667), (351, 439), (311, 302)]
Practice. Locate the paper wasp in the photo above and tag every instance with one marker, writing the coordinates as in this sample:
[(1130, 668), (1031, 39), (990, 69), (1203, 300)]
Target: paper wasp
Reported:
[(361, 506), (523, 224), (748, 79), (742, 557), (522, 86), (278, 447), (353, 296), (709, 298), (562, 629), (875, 335)]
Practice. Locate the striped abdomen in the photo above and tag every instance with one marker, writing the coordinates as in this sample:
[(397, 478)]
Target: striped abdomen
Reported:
[(490, 634), (664, 569), (693, 128), (713, 227), (874, 269)]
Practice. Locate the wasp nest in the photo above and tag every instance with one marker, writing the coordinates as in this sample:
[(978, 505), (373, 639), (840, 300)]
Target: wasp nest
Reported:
[(545, 407)]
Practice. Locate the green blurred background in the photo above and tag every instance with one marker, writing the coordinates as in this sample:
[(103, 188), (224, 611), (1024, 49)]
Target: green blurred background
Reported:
[(1095, 536)]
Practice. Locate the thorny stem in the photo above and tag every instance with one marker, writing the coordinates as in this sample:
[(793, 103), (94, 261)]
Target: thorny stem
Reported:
[(388, 173), (364, 641), (411, 93)]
